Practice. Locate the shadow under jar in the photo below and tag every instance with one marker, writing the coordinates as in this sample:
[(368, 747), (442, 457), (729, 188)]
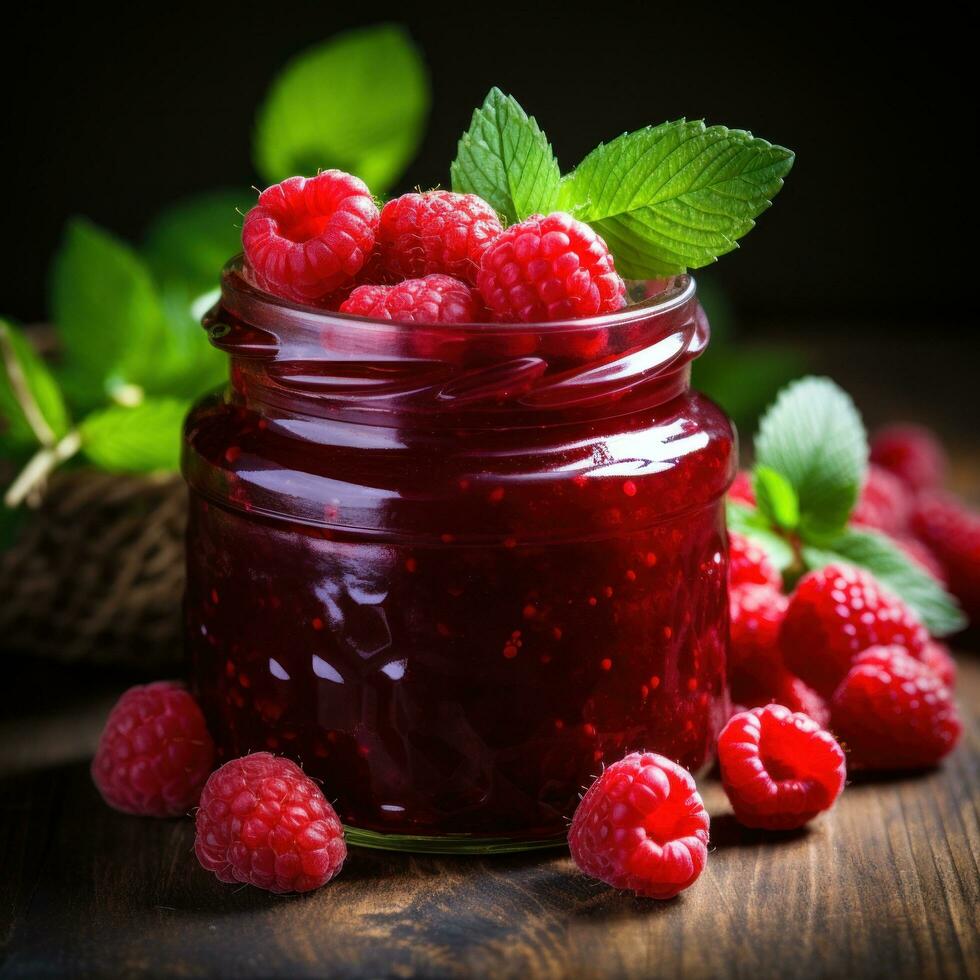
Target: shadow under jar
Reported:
[(455, 570)]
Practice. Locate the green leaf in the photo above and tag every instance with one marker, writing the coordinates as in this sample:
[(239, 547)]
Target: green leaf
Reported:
[(754, 525), (895, 570), (506, 159), (357, 102), (141, 439), (189, 243), (112, 325), (776, 497), (814, 437), (32, 409), (675, 196)]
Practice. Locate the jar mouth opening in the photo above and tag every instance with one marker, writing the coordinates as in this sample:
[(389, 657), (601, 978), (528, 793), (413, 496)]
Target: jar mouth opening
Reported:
[(654, 297)]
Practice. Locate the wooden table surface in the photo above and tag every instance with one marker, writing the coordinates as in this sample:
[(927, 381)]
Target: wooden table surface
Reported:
[(887, 885)]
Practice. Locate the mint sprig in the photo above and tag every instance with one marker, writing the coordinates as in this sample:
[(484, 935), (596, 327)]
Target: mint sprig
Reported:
[(506, 159), (811, 462), (675, 196)]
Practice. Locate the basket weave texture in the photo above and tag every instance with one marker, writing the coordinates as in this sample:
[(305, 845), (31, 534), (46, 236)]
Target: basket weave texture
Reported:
[(97, 572)]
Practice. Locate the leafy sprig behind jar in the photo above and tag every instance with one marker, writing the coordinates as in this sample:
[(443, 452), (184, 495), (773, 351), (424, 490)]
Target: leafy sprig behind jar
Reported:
[(132, 356)]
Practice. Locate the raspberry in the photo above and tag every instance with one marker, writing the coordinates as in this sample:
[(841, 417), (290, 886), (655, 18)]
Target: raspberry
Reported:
[(264, 822), (833, 615), (885, 502), (748, 564), (912, 453), (308, 236), (779, 767), (549, 268), (642, 826), (893, 712), (752, 687), (741, 488), (937, 658), (154, 753), (951, 531), (439, 231), (756, 615), (434, 299)]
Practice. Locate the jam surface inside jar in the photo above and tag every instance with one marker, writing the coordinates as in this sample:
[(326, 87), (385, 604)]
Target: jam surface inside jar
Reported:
[(453, 571)]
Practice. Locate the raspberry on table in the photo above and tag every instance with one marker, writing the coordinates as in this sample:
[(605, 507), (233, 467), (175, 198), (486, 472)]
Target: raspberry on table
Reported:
[(264, 822), (435, 232), (432, 299), (833, 615), (912, 453), (779, 767), (748, 564), (884, 503), (306, 237), (893, 712), (549, 268), (951, 531), (741, 489), (154, 753), (642, 826)]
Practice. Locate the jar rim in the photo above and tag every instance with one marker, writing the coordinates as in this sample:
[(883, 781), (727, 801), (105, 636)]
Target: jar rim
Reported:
[(246, 296)]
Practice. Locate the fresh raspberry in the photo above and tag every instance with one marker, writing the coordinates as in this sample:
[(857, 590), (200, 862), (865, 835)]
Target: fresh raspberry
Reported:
[(912, 453), (951, 531), (884, 503), (549, 268), (756, 614), (154, 753), (642, 826), (939, 660), (752, 687), (438, 231), (833, 615), (779, 767), (434, 299), (264, 822), (308, 236), (748, 564), (741, 488), (893, 712)]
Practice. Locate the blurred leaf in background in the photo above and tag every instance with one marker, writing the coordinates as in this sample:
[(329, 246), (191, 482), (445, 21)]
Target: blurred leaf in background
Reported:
[(742, 379), (188, 244), (143, 438), (358, 102)]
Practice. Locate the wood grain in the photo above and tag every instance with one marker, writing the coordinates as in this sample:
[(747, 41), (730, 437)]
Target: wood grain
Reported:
[(887, 885)]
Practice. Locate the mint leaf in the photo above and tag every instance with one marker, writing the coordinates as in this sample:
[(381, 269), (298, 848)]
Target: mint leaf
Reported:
[(32, 410), (357, 102), (190, 242), (675, 196), (776, 497), (814, 437), (755, 526), (895, 570), (141, 439), (112, 325), (506, 159)]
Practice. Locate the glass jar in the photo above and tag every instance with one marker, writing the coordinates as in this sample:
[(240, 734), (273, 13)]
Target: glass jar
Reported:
[(455, 570)]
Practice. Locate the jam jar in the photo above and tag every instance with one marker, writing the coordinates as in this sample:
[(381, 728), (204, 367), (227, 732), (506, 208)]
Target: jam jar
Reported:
[(455, 570)]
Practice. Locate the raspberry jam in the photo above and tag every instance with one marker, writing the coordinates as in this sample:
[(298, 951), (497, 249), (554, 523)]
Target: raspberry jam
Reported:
[(455, 570)]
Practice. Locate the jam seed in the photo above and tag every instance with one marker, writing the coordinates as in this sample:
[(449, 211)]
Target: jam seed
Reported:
[(605, 663), (651, 559), (411, 565), (629, 488), (232, 453), (316, 623), (496, 495)]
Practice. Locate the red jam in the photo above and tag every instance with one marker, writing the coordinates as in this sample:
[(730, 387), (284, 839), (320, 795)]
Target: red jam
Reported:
[(453, 571)]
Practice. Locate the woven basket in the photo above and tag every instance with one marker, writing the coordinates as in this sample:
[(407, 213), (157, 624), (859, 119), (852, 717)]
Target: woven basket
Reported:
[(97, 572)]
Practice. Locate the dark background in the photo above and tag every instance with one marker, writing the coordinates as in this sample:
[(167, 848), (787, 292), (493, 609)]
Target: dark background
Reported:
[(113, 112)]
